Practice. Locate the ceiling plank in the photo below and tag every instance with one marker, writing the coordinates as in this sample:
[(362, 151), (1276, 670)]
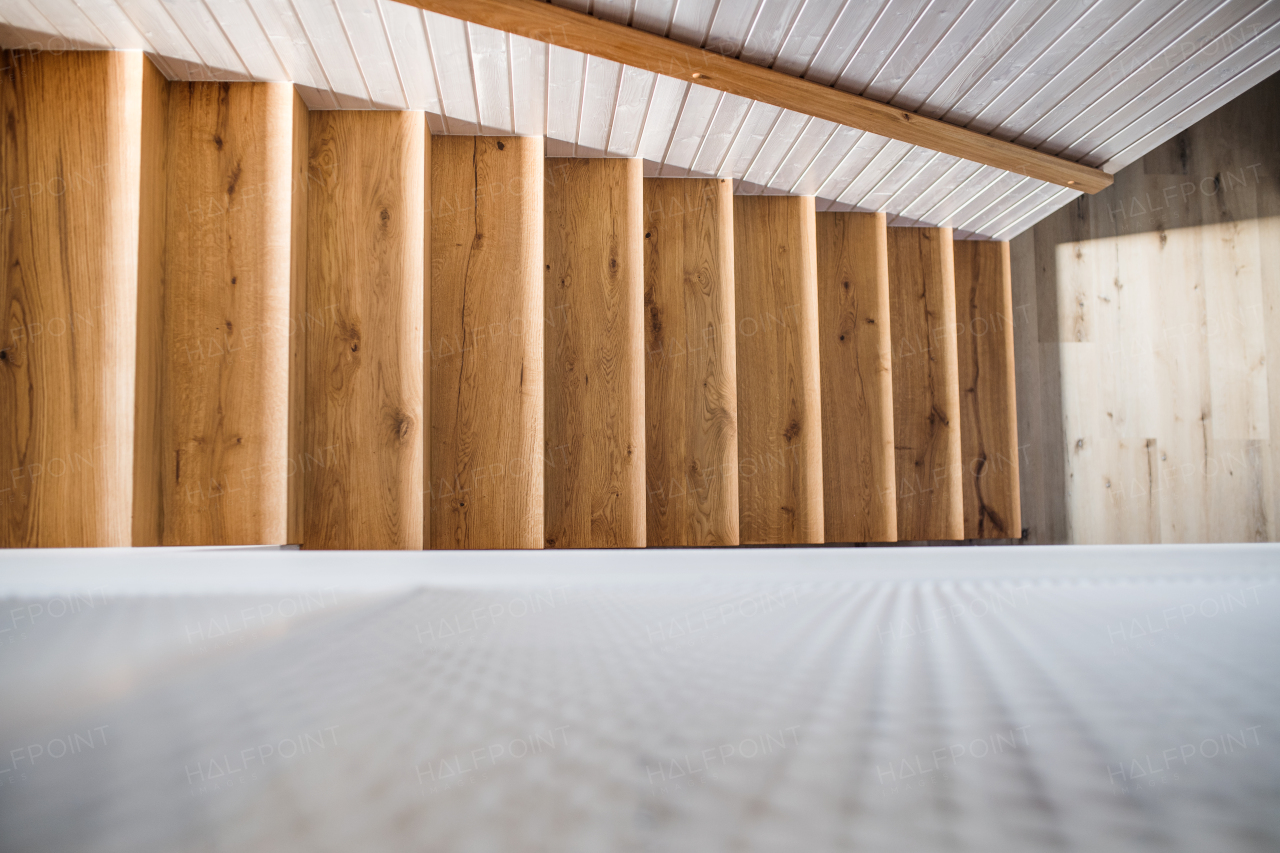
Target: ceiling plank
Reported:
[(629, 46)]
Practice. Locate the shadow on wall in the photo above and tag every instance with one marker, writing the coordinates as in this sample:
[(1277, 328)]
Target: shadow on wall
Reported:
[(1144, 388)]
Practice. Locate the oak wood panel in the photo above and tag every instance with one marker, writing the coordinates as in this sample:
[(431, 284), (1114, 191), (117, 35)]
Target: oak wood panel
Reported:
[(926, 390), (691, 394), (148, 501), (779, 413), (70, 157), (363, 411), (988, 406), (224, 426), (855, 353), (594, 280), (299, 317), (638, 49), (427, 275), (485, 352)]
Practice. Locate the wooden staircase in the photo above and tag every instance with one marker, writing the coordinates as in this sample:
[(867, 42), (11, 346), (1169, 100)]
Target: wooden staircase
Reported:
[(231, 321)]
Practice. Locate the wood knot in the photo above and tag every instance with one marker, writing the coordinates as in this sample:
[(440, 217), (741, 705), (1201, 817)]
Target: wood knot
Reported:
[(792, 430), (501, 147), (402, 425)]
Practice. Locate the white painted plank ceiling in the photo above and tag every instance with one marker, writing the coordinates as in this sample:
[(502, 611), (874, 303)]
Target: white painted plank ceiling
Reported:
[(1097, 81)]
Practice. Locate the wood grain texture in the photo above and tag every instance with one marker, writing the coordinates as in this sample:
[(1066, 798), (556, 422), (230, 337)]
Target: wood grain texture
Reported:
[(691, 393), (70, 157), (363, 410), (779, 413), (148, 474), (988, 406), (594, 289), (224, 425), (638, 49), (1040, 465), (485, 353), (1156, 316), (299, 317), (926, 389), (855, 353)]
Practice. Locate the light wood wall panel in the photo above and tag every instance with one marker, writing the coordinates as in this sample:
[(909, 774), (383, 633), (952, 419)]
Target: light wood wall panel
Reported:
[(858, 489), (1153, 306), (926, 390), (779, 413), (70, 158), (595, 466), (691, 395), (988, 408), (485, 351), (363, 416), (224, 387)]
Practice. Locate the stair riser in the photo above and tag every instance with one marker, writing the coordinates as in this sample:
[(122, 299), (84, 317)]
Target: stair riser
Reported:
[(691, 392)]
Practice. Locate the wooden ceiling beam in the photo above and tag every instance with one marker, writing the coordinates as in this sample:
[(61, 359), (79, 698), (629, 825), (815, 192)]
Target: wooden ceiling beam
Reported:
[(566, 28)]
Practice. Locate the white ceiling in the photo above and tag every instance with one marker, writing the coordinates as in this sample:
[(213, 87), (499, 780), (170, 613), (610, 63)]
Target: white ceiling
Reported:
[(1099, 81)]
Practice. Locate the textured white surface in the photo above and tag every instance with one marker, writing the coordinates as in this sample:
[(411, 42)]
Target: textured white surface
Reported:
[(1100, 81), (984, 699)]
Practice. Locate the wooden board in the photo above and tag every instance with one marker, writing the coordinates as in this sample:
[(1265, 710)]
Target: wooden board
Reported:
[(858, 490), (1039, 407), (691, 393), (594, 292), (1156, 326), (71, 159), (926, 390), (224, 426), (484, 354), (988, 405), (779, 414), (362, 452), (148, 488), (299, 318), (638, 49)]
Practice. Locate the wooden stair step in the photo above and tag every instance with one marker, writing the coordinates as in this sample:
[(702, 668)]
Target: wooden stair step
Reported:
[(594, 279), (79, 126), (220, 414), (485, 350), (779, 413), (363, 408), (926, 389), (988, 410), (691, 393), (858, 490)]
